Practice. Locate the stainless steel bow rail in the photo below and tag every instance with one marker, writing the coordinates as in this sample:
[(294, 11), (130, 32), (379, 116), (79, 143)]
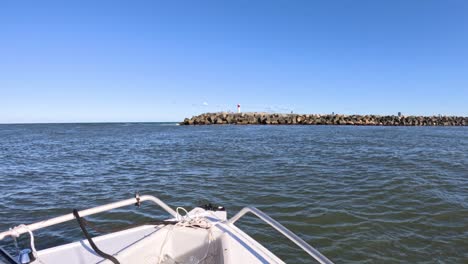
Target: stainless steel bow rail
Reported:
[(283, 230), (16, 231), (21, 229)]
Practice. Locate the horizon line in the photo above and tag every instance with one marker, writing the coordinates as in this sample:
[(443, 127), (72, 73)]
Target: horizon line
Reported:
[(118, 122)]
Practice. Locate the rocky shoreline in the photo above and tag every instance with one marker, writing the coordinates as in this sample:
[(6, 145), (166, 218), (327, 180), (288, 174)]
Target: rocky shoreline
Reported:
[(256, 118)]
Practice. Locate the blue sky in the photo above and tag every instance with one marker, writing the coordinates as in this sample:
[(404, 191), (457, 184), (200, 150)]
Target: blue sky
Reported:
[(75, 61)]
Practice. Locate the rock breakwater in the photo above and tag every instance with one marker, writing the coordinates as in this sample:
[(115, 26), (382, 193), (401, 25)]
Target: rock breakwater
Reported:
[(256, 118)]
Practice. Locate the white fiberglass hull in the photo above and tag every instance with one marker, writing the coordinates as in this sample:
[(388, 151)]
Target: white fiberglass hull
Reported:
[(221, 243), (200, 236)]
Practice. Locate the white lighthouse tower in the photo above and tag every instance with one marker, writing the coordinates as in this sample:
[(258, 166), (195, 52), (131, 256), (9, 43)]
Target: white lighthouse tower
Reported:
[(238, 108)]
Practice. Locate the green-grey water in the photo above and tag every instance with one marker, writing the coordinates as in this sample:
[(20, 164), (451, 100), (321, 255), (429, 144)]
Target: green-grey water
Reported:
[(358, 194)]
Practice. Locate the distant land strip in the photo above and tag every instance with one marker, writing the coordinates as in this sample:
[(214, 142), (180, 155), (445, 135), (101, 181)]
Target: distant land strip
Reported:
[(259, 118)]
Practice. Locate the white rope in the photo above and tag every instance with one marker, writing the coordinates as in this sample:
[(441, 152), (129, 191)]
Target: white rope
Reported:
[(16, 234), (161, 250), (210, 239), (195, 223)]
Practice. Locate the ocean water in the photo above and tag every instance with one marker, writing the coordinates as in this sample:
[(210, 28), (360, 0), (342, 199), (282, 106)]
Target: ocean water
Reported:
[(357, 194)]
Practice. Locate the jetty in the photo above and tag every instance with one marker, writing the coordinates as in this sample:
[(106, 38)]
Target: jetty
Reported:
[(260, 118)]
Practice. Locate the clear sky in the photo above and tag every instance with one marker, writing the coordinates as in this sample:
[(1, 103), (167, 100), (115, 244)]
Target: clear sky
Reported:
[(74, 61)]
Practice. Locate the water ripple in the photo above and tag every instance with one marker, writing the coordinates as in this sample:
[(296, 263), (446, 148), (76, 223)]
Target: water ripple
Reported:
[(359, 194)]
